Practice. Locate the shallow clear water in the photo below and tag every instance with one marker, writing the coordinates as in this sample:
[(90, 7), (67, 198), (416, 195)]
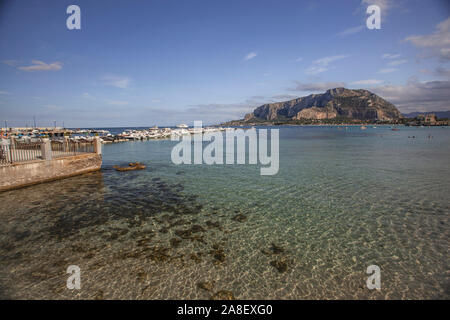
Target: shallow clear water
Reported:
[(342, 200)]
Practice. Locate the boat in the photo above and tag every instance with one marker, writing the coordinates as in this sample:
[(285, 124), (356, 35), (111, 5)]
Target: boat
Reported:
[(363, 128), (182, 126)]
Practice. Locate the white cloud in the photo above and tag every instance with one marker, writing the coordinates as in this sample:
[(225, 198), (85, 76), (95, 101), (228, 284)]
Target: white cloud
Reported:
[(367, 82), (317, 86), (438, 71), (387, 70), (11, 63), (117, 81), (87, 96), (316, 70), (436, 44), (417, 96), (38, 65), (250, 56), (283, 97), (391, 55), (385, 5), (322, 64), (397, 62), (350, 31), (327, 60)]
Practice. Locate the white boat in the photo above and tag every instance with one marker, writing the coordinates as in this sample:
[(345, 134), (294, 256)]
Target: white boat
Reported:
[(182, 126)]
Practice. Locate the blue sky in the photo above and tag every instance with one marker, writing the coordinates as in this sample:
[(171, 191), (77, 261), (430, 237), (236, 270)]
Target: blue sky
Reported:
[(140, 63)]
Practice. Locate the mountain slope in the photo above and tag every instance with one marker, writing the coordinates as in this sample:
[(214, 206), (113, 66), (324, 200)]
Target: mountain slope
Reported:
[(334, 103)]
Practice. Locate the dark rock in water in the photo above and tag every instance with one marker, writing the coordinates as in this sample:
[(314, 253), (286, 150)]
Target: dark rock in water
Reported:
[(223, 295), (198, 237), (218, 253), (159, 254), (280, 265), (98, 295), (240, 217), (175, 242), (142, 277), (276, 249), (212, 224), (89, 256), (142, 242), (179, 222), (196, 228), (185, 234), (189, 233), (195, 257), (207, 285), (164, 230)]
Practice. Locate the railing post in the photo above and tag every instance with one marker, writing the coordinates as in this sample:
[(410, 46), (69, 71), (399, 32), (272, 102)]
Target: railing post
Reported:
[(6, 150), (66, 144), (46, 149), (97, 145)]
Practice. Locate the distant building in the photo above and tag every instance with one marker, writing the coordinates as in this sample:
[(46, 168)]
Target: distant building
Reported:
[(427, 119), (430, 119)]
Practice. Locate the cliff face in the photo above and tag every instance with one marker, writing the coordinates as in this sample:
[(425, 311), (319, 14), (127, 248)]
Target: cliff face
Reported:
[(339, 102)]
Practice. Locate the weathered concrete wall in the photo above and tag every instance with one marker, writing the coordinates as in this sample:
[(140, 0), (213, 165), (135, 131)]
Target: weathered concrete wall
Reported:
[(25, 174)]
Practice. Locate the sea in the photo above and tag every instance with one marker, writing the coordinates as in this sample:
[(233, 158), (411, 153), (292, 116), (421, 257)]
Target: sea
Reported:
[(343, 200)]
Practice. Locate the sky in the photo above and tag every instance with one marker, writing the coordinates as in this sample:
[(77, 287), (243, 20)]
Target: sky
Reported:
[(165, 62)]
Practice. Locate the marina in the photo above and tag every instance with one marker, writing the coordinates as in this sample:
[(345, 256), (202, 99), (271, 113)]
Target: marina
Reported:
[(87, 135)]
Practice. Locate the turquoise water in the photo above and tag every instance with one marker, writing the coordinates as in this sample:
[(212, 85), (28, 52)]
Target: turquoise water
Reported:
[(341, 201)]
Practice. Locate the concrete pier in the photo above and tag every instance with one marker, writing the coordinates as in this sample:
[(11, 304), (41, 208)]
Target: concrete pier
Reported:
[(50, 165), (24, 174)]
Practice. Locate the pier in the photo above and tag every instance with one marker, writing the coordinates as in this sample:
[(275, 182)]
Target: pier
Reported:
[(27, 163)]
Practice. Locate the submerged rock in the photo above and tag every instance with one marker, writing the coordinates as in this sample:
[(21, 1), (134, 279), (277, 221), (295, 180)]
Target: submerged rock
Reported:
[(223, 295), (98, 295), (276, 249), (142, 276), (207, 285), (158, 254), (190, 233), (240, 217), (213, 224), (218, 253), (280, 264), (175, 242), (164, 230), (195, 257)]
